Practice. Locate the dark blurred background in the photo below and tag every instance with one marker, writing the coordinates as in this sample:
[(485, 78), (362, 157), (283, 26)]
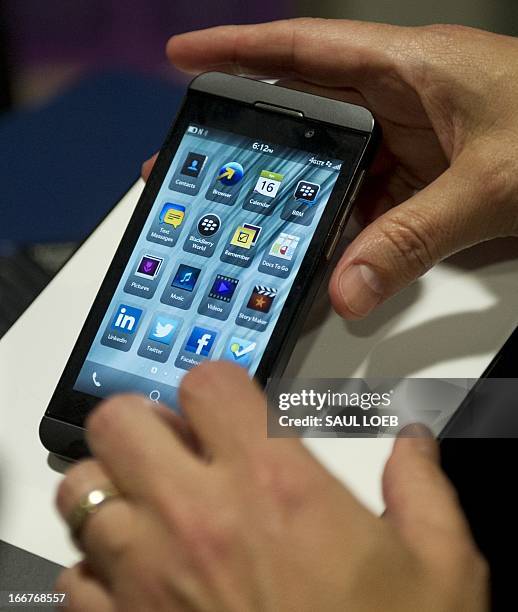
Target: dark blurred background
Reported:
[(86, 94)]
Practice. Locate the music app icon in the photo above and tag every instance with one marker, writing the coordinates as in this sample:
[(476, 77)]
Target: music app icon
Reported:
[(186, 277)]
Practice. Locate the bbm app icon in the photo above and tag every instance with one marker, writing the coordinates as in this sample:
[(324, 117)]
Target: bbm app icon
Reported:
[(306, 192)]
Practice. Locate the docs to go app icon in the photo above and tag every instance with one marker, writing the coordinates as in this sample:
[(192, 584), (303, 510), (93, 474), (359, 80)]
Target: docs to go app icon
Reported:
[(172, 214)]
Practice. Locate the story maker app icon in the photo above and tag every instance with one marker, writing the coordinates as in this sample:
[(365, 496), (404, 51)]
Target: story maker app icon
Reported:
[(172, 214), (261, 298)]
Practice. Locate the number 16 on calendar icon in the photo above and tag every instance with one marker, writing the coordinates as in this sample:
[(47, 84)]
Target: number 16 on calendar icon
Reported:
[(268, 183)]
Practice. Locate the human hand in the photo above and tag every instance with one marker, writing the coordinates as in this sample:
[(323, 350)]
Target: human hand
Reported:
[(447, 174), (248, 523)]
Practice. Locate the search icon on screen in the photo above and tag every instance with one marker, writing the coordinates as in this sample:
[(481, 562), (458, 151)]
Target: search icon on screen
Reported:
[(154, 395)]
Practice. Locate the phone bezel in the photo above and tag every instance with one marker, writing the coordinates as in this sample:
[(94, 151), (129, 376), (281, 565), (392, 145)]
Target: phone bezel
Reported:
[(238, 114)]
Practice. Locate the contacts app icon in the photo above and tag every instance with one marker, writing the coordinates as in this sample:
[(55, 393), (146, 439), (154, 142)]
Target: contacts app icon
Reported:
[(193, 164)]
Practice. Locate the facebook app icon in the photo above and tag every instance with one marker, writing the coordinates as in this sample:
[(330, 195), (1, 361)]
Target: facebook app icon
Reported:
[(200, 341)]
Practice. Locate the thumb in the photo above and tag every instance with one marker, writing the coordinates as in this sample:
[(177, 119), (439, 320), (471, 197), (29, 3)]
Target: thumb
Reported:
[(420, 501), (457, 210), (147, 166)]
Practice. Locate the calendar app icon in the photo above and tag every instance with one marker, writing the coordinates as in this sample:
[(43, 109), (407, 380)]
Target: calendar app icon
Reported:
[(268, 183)]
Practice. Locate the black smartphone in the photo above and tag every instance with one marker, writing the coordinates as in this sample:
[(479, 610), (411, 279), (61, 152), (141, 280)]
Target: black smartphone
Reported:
[(478, 454), (489, 409), (226, 248)]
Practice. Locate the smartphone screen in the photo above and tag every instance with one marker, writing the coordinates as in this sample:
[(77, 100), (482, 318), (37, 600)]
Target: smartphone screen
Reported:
[(224, 251), (213, 264)]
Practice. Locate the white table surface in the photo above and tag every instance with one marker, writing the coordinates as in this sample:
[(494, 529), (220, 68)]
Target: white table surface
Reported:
[(449, 324)]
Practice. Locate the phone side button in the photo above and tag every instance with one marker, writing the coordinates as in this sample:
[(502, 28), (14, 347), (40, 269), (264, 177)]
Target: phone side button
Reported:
[(332, 241), (357, 187)]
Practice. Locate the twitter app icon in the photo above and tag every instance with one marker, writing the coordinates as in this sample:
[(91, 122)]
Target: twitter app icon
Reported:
[(163, 329)]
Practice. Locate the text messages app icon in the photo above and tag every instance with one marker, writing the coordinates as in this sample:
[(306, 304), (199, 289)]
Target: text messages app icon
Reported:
[(172, 214), (246, 236), (240, 351), (126, 319), (163, 329), (200, 341)]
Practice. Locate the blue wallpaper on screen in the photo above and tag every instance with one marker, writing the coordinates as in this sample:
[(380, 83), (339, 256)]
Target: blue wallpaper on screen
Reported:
[(151, 365)]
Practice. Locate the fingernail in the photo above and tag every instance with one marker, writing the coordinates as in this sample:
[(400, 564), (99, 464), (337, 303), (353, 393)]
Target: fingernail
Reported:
[(422, 438), (360, 288)]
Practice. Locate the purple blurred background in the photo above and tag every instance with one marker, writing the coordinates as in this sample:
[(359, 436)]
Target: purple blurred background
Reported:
[(51, 42)]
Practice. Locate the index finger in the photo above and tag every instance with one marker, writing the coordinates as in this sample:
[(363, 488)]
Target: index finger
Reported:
[(228, 412), (139, 450), (327, 52)]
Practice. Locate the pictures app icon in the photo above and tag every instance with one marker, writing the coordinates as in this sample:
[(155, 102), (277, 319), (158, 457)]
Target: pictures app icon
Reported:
[(186, 277), (230, 174), (163, 329), (306, 192), (223, 288), (200, 341), (284, 246), (172, 214), (240, 351), (193, 164), (208, 225), (261, 298), (245, 236), (149, 266), (126, 319)]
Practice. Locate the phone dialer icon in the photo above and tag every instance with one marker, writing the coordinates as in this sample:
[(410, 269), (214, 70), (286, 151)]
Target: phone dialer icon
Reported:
[(95, 380)]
